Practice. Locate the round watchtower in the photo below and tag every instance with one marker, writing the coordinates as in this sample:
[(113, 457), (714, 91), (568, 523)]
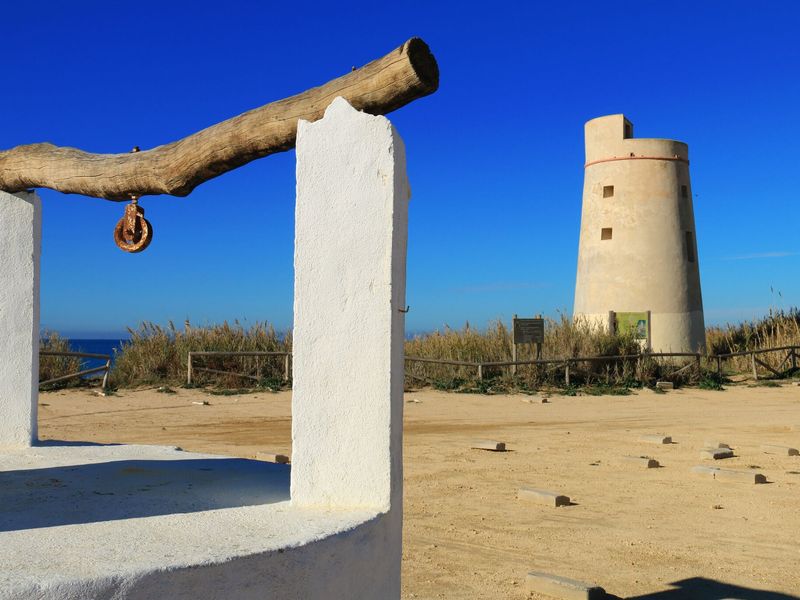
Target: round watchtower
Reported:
[(638, 248)]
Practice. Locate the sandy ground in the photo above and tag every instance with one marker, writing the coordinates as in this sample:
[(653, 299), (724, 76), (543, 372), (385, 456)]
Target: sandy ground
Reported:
[(657, 534)]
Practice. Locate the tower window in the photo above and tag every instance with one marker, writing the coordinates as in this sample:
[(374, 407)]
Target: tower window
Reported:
[(606, 233), (684, 191), (608, 191), (628, 131), (689, 247)]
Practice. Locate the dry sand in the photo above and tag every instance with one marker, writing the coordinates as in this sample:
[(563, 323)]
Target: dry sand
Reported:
[(635, 531)]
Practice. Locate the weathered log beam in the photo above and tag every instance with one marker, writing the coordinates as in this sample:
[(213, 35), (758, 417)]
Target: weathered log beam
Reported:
[(384, 85)]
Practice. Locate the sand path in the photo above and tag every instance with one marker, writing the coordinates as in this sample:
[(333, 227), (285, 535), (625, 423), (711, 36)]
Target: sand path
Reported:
[(639, 533)]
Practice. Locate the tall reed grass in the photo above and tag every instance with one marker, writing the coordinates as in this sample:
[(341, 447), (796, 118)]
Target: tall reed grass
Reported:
[(158, 355), (564, 338), (777, 329), (51, 367)]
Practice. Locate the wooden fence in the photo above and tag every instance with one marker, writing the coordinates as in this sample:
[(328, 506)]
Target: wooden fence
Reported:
[(191, 368), (791, 357), (105, 368), (568, 364)]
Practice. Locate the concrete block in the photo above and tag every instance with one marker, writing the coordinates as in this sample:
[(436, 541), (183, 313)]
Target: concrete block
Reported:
[(715, 444), (784, 450), (656, 439), (716, 453), (642, 461), (665, 385), (270, 457), (492, 445), (561, 587), (542, 496), (729, 474)]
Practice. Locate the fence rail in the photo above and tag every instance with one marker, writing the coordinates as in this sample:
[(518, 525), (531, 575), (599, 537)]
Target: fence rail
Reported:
[(105, 368), (792, 356), (793, 352), (191, 368)]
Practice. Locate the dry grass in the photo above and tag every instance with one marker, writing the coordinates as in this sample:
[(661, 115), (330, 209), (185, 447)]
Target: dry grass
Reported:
[(564, 337), (51, 367), (778, 328), (158, 355)]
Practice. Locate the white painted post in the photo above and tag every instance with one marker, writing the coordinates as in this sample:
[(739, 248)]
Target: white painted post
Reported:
[(20, 249), (350, 270)]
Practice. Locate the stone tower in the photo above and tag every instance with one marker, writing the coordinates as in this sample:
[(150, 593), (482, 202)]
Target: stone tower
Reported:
[(638, 248)]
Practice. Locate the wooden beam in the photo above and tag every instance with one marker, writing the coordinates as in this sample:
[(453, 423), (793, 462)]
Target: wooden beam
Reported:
[(384, 85)]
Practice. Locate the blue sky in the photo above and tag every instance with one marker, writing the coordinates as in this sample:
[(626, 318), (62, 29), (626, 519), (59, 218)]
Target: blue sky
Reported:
[(495, 157)]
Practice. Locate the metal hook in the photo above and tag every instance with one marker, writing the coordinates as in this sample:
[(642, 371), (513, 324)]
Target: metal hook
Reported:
[(408, 308)]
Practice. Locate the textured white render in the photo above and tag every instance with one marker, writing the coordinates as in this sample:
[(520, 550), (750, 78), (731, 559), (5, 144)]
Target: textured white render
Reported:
[(648, 264), (93, 522), (149, 522), (20, 244), (350, 262)]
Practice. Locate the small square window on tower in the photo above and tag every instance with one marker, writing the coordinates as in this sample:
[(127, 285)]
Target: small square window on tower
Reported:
[(689, 247), (606, 233), (684, 191), (608, 191)]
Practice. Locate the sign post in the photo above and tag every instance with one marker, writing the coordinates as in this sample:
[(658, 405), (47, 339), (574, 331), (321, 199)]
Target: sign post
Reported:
[(527, 331)]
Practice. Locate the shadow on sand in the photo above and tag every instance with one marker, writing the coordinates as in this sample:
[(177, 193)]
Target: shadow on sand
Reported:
[(699, 588)]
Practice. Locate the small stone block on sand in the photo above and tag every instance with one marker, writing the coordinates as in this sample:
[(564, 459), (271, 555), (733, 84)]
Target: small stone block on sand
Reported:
[(542, 496), (269, 457), (642, 461), (716, 453), (715, 444), (492, 445), (784, 450), (665, 385), (656, 439), (563, 588), (729, 474)]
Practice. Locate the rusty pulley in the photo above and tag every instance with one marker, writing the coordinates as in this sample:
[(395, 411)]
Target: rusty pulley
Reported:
[(133, 232)]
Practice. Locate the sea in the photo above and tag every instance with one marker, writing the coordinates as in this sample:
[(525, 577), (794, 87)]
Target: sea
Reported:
[(95, 347)]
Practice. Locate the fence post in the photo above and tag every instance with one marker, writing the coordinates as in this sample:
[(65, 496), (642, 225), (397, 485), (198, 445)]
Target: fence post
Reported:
[(286, 366), (480, 372), (566, 372), (794, 359), (513, 346), (719, 367), (105, 376), (753, 364), (699, 368), (189, 369)]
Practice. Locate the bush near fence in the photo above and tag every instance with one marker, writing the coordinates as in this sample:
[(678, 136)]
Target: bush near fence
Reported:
[(564, 338), (158, 355), (779, 328), (51, 367)]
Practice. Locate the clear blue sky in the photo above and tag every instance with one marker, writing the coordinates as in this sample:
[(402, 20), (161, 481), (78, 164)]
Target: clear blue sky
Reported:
[(495, 156)]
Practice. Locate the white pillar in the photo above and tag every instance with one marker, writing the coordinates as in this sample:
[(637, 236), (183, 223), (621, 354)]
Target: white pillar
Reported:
[(350, 272), (20, 246)]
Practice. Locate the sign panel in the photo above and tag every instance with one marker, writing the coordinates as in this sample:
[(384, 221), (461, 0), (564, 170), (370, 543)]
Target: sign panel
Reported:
[(635, 322), (528, 331)]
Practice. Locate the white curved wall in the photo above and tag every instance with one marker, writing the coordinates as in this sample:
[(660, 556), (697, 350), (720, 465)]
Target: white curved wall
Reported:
[(650, 261)]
